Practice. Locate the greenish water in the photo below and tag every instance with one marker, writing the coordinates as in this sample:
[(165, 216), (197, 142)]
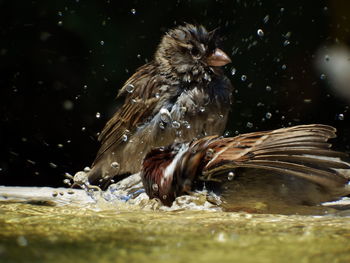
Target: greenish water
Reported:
[(44, 233)]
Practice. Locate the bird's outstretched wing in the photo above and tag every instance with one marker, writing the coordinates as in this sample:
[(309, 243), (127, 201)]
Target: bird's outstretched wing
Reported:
[(301, 151)]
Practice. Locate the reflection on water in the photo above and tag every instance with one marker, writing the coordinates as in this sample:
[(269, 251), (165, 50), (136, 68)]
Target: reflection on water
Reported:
[(42, 231)]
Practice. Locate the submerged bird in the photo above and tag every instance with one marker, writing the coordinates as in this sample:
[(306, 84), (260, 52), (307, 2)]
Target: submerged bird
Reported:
[(293, 166), (180, 95)]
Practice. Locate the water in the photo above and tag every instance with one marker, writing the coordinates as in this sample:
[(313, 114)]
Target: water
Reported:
[(72, 227)]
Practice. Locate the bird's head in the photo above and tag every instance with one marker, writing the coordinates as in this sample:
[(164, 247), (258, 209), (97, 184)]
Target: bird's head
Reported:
[(191, 51)]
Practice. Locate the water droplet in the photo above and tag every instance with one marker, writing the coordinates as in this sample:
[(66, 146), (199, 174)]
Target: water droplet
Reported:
[(249, 125), (201, 109), (155, 187), (124, 137), (286, 43), (165, 115), (266, 19), (186, 125), (157, 95), (288, 34), (284, 66), (68, 175), (80, 178), (233, 71), (340, 117), (323, 76), (130, 88), (52, 165), (59, 13), (31, 162), (207, 76), (268, 88), (260, 32), (83, 129), (176, 124), (59, 23), (178, 133), (60, 145), (209, 154), (98, 115), (68, 105), (183, 109), (243, 77), (230, 176), (115, 165), (138, 56), (102, 42), (133, 11), (67, 181), (268, 115)]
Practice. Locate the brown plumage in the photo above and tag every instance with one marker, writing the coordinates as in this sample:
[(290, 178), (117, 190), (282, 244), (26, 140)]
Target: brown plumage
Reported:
[(292, 165), (180, 95)]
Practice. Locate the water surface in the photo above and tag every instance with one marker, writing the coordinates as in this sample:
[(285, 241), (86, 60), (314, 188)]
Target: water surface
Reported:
[(42, 231)]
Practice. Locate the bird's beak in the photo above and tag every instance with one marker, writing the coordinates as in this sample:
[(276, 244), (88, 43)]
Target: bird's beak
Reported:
[(218, 58)]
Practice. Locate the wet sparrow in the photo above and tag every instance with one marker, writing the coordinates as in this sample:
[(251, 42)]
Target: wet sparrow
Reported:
[(180, 95), (292, 165)]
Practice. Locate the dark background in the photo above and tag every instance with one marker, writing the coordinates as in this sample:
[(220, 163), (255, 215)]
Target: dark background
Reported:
[(62, 63)]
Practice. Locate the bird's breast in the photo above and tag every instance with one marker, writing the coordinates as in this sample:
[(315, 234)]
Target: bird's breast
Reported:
[(201, 113)]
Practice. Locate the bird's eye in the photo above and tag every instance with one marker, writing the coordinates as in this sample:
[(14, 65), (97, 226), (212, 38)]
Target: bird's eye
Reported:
[(195, 52)]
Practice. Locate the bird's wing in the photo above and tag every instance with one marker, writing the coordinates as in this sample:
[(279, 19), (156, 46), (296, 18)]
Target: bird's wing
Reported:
[(301, 151), (140, 102)]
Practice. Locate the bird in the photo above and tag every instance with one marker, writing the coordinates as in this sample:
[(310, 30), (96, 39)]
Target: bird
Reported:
[(180, 95), (291, 166)]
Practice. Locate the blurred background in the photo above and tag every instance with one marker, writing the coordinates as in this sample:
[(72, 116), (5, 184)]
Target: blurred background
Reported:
[(62, 63)]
